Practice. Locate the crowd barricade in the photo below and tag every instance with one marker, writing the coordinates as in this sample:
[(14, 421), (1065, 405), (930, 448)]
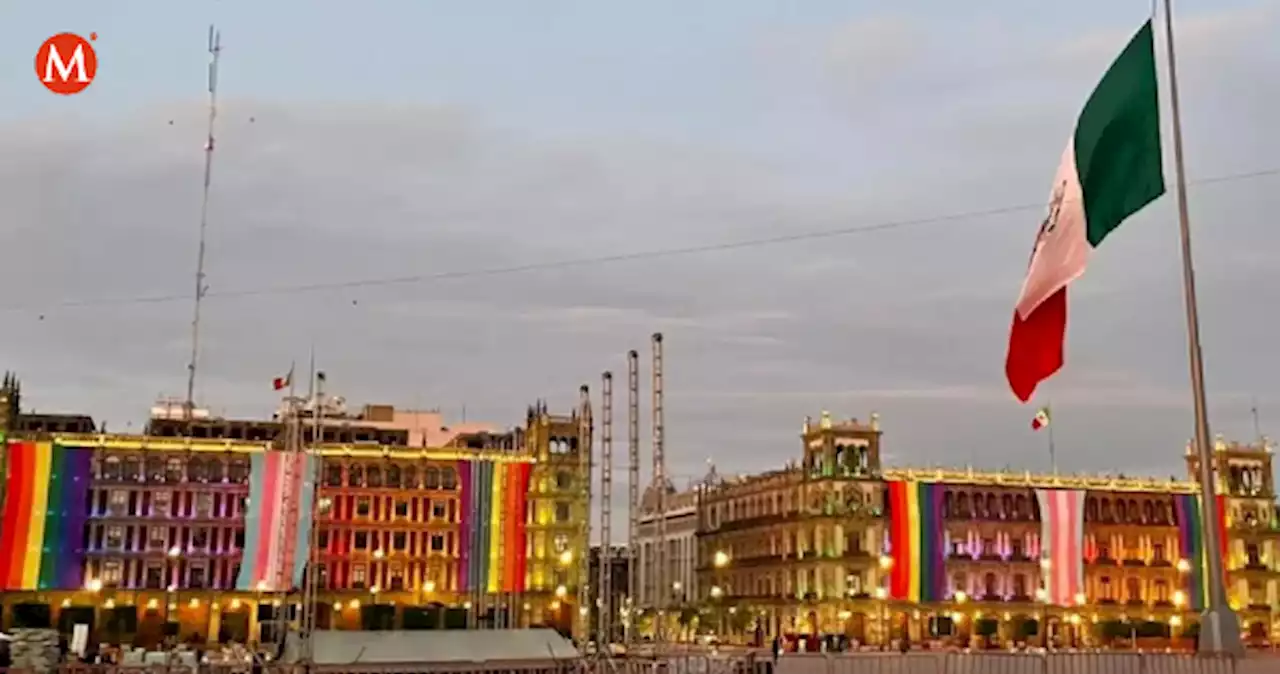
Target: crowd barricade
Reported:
[(1091, 662)]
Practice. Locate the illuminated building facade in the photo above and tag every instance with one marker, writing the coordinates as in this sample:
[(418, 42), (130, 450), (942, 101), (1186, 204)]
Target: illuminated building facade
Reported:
[(202, 529), (837, 545)]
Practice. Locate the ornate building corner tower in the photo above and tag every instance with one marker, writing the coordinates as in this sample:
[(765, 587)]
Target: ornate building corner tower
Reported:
[(1245, 481), (559, 506)]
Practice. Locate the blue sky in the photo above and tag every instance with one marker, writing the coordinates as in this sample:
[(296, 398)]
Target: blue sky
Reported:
[(397, 138)]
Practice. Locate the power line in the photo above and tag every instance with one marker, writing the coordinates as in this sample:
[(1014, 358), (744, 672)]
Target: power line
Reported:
[(594, 260)]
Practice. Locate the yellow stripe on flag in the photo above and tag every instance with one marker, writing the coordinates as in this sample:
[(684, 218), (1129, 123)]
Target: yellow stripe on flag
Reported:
[(495, 528), (913, 542), (39, 507)]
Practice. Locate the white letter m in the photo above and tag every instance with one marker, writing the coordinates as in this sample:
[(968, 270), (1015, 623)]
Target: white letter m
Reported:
[(64, 69)]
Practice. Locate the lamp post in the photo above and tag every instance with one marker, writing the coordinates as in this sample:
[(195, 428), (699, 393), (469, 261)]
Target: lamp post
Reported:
[(171, 585), (961, 597)]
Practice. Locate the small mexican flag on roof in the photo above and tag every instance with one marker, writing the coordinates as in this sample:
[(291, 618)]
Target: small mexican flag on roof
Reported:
[(1110, 170)]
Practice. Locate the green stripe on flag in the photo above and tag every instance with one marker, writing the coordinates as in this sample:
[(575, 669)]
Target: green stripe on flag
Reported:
[(1117, 140)]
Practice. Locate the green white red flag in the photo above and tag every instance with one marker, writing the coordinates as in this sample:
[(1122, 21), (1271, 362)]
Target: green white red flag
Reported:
[(1041, 419), (1110, 170)]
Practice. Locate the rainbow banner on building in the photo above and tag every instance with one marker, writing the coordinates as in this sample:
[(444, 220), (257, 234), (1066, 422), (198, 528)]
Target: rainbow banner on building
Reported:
[(1191, 545), (916, 541), (277, 527), (45, 512), (494, 511), (1062, 544)]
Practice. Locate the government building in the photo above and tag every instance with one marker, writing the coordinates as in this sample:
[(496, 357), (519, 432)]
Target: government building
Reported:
[(208, 529), (836, 547)]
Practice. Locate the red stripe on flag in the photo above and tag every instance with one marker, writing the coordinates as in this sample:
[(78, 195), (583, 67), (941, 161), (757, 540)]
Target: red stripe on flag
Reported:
[(1036, 345)]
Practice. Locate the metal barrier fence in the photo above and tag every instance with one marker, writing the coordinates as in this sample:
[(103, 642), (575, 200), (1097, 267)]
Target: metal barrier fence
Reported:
[(1024, 663)]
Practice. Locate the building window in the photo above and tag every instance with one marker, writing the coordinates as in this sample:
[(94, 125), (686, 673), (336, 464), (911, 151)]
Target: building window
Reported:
[(410, 479), (561, 543), (432, 477), (1157, 553), (197, 576), (437, 543), (373, 476), (1020, 586), (1105, 589), (158, 538), (322, 540), (200, 538), (111, 468), (448, 479), (173, 470), (1133, 588), (399, 540), (154, 469), (333, 475), (562, 511), (359, 576), (393, 476), (160, 503), (396, 582), (119, 502), (153, 578), (564, 481), (115, 537), (238, 471), (402, 508), (204, 505), (363, 506), (439, 509), (111, 572), (196, 470), (361, 541)]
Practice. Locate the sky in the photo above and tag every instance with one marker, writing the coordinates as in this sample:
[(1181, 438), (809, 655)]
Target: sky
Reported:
[(449, 145)]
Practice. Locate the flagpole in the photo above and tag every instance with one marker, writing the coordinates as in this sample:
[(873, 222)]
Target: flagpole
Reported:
[(1053, 461), (1219, 625)]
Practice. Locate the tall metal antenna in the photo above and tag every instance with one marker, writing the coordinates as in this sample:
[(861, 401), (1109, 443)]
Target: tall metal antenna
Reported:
[(633, 492), (585, 446), (604, 586), (663, 590), (215, 49)]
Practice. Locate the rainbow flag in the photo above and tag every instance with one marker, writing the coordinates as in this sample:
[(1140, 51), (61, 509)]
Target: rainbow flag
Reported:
[(45, 513), (494, 504), (1062, 543), (1191, 545), (916, 541), (276, 539)]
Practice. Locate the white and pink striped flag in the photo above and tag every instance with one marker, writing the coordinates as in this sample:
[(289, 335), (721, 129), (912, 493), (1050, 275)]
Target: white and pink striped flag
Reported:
[(1061, 544)]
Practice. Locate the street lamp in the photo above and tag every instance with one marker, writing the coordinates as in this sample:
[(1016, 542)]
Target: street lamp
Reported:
[(171, 587), (720, 559)]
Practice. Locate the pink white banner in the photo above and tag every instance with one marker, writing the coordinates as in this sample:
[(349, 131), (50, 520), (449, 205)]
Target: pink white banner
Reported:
[(1061, 544)]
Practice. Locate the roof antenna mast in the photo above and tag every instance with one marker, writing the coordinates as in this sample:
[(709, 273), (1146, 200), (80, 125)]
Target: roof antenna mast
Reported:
[(215, 48)]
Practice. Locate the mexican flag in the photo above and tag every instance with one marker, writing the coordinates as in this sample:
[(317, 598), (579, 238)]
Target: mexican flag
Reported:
[(1041, 419), (1109, 171)]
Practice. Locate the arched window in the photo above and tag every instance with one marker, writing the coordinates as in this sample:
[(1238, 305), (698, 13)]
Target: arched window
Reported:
[(993, 506), (197, 470), (448, 478), (948, 504), (432, 477), (111, 468), (1006, 507), (409, 479), (1020, 507), (1020, 586), (962, 505), (373, 476), (393, 476), (355, 475), (990, 586), (1091, 509), (132, 471)]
